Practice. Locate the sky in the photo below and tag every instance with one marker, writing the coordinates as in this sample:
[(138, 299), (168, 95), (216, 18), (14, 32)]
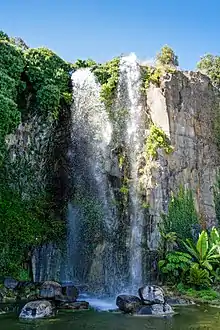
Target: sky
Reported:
[(104, 29)]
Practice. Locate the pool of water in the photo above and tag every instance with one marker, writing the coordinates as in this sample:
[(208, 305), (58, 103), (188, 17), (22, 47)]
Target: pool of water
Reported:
[(187, 318)]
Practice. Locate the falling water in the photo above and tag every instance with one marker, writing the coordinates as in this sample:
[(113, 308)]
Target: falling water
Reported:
[(91, 137), (130, 78)]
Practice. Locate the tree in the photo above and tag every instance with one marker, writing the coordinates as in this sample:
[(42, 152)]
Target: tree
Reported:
[(167, 57), (210, 65)]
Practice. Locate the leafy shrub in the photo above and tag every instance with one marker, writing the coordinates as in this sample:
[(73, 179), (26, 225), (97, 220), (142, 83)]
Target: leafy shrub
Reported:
[(204, 252), (198, 277), (80, 64), (108, 75), (49, 99), (210, 65), (181, 215), (155, 140), (175, 265), (167, 57)]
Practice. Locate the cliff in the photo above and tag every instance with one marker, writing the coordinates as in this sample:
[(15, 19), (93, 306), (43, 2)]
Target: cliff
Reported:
[(103, 163)]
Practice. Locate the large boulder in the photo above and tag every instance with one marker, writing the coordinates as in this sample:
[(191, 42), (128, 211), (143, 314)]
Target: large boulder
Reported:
[(10, 283), (156, 309), (128, 304), (50, 290), (151, 294), (37, 309), (70, 292)]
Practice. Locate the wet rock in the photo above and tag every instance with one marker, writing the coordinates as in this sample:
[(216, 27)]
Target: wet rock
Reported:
[(75, 305), (151, 294), (50, 290), (10, 283), (156, 309), (176, 301), (128, 304), (37, 309), (70, 292)]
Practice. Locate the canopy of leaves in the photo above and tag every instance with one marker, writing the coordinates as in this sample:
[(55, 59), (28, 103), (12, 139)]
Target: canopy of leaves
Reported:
[(210, 65), (167, 57)]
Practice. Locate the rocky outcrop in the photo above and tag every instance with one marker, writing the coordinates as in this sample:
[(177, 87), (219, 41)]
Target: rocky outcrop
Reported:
[(184, 107), (151, 295), (156, 309), (152, 302), (50, 290), (128, 303), (37, 309)]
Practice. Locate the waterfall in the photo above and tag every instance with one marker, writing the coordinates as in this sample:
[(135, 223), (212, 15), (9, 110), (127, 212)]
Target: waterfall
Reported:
[(104, 231), (130, 80), (92, 258)]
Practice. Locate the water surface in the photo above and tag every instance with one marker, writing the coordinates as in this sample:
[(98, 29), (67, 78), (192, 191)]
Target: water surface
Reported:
[(188, 318)]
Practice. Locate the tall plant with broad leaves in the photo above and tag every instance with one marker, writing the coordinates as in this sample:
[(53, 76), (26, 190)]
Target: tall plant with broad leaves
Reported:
[(204, 252)]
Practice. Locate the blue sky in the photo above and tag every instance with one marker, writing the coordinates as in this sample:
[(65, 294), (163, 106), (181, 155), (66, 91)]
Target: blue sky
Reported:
[(104, 29)]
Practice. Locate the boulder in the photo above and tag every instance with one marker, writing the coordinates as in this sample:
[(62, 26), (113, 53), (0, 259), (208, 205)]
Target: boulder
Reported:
[(156, 309), (75, 305), (10, 283), (70, 292), (128, 304), (37, 309), (151, 294), (50, 289)]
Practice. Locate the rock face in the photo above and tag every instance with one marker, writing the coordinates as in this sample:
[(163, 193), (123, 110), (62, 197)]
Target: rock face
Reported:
[(156, 309), (128, 304), (184, 106), (36, 309), (104, 152), (50, 290), (151, 295), (70, 292)]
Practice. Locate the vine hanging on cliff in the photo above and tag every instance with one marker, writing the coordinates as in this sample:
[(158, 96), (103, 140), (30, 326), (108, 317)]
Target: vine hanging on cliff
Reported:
[(156, 139)]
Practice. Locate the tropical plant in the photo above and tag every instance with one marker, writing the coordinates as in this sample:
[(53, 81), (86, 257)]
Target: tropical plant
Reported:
[(203, 253), (198, 277), (175, 265)]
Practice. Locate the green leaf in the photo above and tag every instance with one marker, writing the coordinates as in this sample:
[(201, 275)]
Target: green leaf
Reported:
[(202, 244)]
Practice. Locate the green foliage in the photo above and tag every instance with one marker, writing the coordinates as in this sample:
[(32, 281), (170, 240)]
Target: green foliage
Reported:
[(108, 75), (175, 265), (204, 294), (181, 215), (80, 64), (3, 36), (49, 99), (12, 64), (153, 75), (155, 140), (198, 277), (203, 252), (24, 225), (49, 76), (217, 197), (210, 65), (198, 264), (167, 57)]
